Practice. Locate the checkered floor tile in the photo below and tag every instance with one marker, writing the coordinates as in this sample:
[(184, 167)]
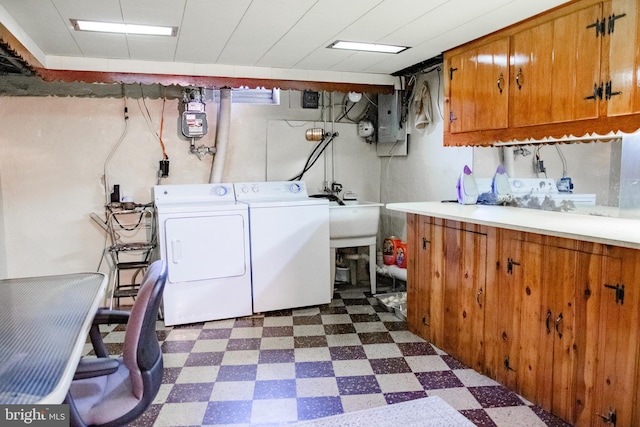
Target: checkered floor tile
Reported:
[(281, 367)]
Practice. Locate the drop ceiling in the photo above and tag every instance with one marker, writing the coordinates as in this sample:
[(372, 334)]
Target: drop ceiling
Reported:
[(258, 39)]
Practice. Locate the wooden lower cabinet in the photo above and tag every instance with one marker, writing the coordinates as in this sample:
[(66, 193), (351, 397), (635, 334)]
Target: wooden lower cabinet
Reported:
[(450, 287), (554, 319), (537, 329), (608, 316)]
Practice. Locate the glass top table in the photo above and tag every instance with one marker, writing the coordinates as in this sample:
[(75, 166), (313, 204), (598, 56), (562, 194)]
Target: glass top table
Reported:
[(44, 322)]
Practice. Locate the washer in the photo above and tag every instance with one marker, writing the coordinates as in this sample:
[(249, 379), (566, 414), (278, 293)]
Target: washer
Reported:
[(203, 236), (289, 245)]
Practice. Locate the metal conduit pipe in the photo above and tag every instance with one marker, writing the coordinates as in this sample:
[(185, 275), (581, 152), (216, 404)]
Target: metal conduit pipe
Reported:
[(222, 136)]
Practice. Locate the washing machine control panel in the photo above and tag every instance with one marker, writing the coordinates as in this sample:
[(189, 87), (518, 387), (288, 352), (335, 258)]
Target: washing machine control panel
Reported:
[(284, 190)]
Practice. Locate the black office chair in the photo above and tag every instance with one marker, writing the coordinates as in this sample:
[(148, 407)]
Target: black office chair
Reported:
[(115, 391)]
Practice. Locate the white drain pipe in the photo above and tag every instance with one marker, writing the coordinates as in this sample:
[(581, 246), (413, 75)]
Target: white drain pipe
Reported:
[(222, 136), (508, 161), (392, 271)]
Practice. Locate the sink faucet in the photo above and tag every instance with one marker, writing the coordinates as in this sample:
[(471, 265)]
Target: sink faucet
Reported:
[(336, 188)]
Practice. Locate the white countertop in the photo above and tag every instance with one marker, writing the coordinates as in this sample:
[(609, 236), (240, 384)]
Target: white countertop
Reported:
[(610, 230)]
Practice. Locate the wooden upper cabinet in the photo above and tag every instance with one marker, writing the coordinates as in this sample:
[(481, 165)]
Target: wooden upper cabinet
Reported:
[(532, 58), (623, 57), (555, 70), (572, 71), (479, 87), (576, 66)]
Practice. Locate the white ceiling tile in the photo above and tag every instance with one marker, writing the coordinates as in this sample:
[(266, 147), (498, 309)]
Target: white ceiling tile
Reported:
[(206, 28), (153, 12), (102, 45), (263, 36), (152, 48), (108, 11)]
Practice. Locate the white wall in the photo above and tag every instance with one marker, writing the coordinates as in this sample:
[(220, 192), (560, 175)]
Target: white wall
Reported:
[(586, 163), (52, 157), (428, 172), (53, 151)]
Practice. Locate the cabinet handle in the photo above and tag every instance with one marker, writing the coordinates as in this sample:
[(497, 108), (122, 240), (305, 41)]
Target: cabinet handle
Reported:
[(611, 418), (424, 242), (619, 289), (597, 92), (612, 22), (608, 92), (520, 79), (558, 320), (501, 82), (451, 70), (599, 26), (548, 321), (507, 364), (478, 295)]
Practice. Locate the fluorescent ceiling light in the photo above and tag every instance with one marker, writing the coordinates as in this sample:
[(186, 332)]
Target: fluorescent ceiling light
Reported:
[(122, 28), (367, 47)]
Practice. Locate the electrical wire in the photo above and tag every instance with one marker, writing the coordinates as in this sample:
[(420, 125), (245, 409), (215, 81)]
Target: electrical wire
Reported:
[(537, 161), (315, 155), (147, 117), (164, 152), (346, 111), (563, 159), (115, 148)]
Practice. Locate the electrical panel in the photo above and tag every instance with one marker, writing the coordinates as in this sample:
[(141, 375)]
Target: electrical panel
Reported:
[(392, 138), (388, 126)]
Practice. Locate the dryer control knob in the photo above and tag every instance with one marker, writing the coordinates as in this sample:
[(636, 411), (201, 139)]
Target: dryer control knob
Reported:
[(295, 188), (221, 190), (244, 189), (255, 188)]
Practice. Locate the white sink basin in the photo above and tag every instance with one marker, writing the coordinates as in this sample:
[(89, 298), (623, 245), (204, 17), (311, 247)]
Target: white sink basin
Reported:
[(352, 225), (355, 220)]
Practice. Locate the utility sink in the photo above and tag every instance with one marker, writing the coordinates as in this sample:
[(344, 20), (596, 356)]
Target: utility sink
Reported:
[(355, 222)]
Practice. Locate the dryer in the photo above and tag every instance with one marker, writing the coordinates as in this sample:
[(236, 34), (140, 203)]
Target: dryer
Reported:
[(289, 245), (203, 236)]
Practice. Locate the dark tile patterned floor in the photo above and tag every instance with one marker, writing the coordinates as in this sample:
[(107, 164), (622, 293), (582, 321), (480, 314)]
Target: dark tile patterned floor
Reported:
[(281, 367)]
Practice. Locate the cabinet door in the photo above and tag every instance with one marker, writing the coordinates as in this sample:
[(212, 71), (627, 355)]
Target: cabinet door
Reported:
[(576, 65), (419, 271), (556, 68), (617, 342), (492, 86), (531, 59), (624, 57), (479, 88), (464, 271), (462, 82), (538, 290), (520, 290), (555, 387)]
